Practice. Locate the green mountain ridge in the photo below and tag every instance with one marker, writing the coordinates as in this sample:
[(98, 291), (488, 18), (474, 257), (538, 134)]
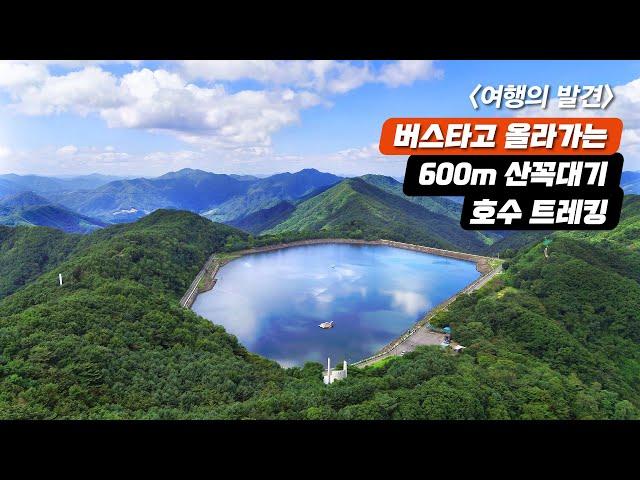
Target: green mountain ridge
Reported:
[(265, 218), (268, 192), (440, 205), (354, 207)]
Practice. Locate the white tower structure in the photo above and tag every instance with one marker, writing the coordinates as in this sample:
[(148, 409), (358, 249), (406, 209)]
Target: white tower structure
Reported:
[(332, 376), (60, 278)]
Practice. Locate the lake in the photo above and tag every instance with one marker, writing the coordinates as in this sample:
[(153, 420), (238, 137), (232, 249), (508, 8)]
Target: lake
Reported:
[(274, 301)]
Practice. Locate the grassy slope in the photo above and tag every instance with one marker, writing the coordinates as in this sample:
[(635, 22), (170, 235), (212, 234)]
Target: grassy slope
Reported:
[(355, 207)]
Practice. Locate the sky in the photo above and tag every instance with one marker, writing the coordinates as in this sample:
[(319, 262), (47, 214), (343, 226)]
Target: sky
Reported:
[(141, 118)]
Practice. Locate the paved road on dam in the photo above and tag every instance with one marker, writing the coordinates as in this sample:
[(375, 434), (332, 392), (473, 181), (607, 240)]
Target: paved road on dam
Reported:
[(422, 333)]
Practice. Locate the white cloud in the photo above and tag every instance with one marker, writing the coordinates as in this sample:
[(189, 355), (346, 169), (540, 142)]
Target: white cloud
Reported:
[(349, 77), (4, 151), (160, 100), (163, 101), (625, 105), (318, 75), (71, 159), (309, 74), (406, 72), (16, 75), (360, 153), (361, 160), (67, 150), (80, 92), (278, 72), (226, 129)]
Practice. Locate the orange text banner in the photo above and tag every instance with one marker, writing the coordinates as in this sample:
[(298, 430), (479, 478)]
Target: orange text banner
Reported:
[(501, 136)]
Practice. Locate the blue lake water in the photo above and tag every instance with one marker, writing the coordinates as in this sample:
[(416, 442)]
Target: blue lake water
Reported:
[(274, 301)]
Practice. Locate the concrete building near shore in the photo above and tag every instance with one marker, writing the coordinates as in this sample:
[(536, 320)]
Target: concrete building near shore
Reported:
[(331, 375)]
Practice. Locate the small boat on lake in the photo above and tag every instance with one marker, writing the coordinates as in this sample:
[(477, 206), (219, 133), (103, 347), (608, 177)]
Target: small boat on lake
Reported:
[(326, 325)]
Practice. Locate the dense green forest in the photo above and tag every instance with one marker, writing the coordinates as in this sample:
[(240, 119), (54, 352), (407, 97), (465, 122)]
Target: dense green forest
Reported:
[(27, 252), (265, 218), (357, 209), (514, 241), (440, 205), (555, 337)]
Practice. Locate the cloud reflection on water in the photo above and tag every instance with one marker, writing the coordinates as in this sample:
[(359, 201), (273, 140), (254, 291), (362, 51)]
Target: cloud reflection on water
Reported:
[(411, 303), (273, 302)]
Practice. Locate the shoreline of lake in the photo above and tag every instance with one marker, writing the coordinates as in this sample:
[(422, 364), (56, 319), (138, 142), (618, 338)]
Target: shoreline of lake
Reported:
[(213, 264), (483, 266), (482, 262)]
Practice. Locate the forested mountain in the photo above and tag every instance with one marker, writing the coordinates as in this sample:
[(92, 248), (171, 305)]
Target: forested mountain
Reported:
[(356, 208), (441, 205), (268, 192), (264, 219), (126, 200), (555, 337), (514, 240), (27, 252), (447, 206), (27, 208), (23, 200), (113, 341), (217, 196), (578, 312)]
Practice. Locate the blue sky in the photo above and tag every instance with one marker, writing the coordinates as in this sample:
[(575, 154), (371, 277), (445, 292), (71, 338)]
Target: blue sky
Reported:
[(147, 118)]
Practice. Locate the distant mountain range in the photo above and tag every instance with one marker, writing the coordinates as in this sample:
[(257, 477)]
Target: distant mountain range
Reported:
[(217, 196), (28, 208), (630, 182), (307, 200), (11, 184), (268, 192)]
